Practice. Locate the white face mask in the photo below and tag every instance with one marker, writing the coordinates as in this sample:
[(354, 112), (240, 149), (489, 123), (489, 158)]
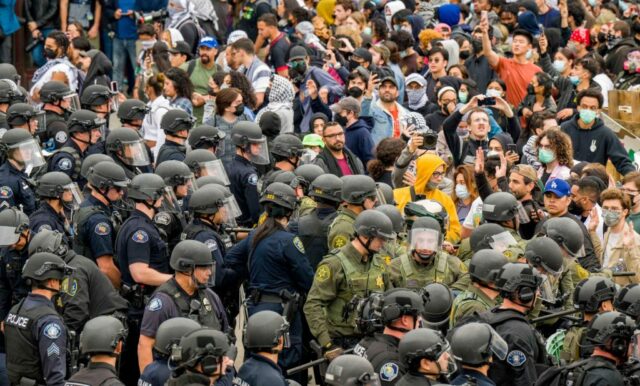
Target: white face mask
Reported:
[(462, 192)]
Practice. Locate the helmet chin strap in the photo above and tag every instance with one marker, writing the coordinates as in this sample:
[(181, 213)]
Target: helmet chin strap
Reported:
[(366, 245)]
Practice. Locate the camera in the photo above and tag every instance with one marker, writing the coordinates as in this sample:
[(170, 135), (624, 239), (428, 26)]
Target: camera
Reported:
[(488, 101), (429, 139), (151, 17)]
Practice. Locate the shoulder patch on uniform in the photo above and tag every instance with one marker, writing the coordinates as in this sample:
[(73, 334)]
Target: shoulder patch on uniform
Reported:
[(323, 273), (44, 227), (52, 330), (102, 229), (162, 218), (6, 192), (61, 137), (340, 241), (253, 179), (211, 244), (69, 288), (508, 254), (582, 273), (298, 244), (516, 358), (155, 304), (389, 371), (53, 349), (64, 164), (140, 236)]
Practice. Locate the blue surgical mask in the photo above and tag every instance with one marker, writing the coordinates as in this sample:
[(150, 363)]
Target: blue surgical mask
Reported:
[(592, 3), (367, 31), (623, 6), (529, 55), (462, 192), (546, 156), (559, 65), (575, 79), (463, 96), (587, 116)]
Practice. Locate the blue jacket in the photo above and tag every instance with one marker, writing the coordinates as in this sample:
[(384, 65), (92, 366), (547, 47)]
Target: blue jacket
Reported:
[(8, 18), (382, 120), (323, 80), (359, 140)]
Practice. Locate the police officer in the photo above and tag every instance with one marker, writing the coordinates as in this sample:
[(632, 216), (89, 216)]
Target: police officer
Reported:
[(305, 175), (591, 296), (201, 360), (481, 294), (251, 148), (206, 137), (58, 194), (22, 155), (274, 261), (627, 301), (171, 220), (486, 236), (126, 147), (169, 332), (97, 98), (397, 247), (265, 337), (426, 354), (567, 233), (519, 285), (90, 161), (312, 228), (176, 125), (475, 345), (351, 271), (58, 103), (285, 150), (358, 193), (94, 222), (131, 114), (102, 340), (438, 300), (401, 312), (25, 116), (35, 336), (89, 293), (9, 94), (426, 261), (85, 129), (350, 370), (14, 240), (142, 258), (186, 294), (204, 163)]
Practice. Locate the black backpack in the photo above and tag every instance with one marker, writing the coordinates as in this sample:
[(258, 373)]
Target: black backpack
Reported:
[(572, 374)]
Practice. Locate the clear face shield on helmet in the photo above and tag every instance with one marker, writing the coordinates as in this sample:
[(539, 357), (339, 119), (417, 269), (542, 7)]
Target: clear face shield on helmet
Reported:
[(283, 333), (425, 241), (99, 131), (231, 211), (307, 156), (215, 169), (28, 154), (446, 362), (10, 235), (76, 198), (71, 102), (502, 241), (204, 276), (523, 216), (38, 123), (258, 151), (169, 200), (498, 345), (135, 153)]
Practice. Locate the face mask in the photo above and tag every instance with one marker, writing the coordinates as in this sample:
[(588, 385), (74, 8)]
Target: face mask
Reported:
[(462, 133), (367, 31), (353, 65), (558, 65), (587, 116), (462, 192), (610, 218), (462, 96), (171, 11), (575, 79), (477, 46), (239, 110), (592, 3), (49, 53), (623, 6), (341, 120), (148, 44), (406, 29), (602, 37), (414, 96), (493, 153), (493, 93), (355, 92), (529, 55), (545, 156), (464, 55), (432, 185)]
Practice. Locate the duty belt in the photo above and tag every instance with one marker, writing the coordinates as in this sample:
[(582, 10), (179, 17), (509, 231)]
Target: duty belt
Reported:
[(258, 296)]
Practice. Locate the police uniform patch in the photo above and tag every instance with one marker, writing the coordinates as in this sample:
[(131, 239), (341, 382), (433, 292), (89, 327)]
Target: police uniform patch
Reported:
[(323, 274), (52, 330), (70, 289), (211, 244), (298, 244), (102, 229), (389, 372), (516, 358), (61, 136), (64, 164), (340, 241), (508, 254), (379, 281), (162, 218), (44, 227), (155, 304), (53, 349), (6, 192), (253, 179), (140, 237)]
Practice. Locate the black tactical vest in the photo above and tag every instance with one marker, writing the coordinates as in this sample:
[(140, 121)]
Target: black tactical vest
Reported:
[(205, 314), (80, 219), (313, 233)]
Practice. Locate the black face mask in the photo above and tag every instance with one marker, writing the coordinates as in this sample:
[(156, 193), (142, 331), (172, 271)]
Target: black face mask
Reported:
[(353, 64), (477, 46), (602, 37), (49, 53), (575, 209), (239, 110), (341, 120), (510, 27), (355, 92), (464, 55)]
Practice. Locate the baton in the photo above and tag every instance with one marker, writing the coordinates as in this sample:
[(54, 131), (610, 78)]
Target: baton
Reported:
[(553, 316), (308, 365)]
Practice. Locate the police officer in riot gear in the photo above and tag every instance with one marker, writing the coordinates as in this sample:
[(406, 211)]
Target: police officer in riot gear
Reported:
[(426, 261), (354, 270), (22, 155), (95, 224), (206, 137), (438, 300), (35, 336), (176, 125), (89, 293), (312, 228), (25, 116), (266, 335), (401, 312), (567, 233), (102, 340), (204, 163), (142, 258), (90, 161), (59, 102), (274, 262), (475, 346), (251, 150), (131, 114), (285, 150), (359, 193), (126, 147), (305, 175), (14, 240), (58, 194), (8, 71), (627, 301), (351, 370), (426, 354), (9, 94), (171, 220), (519, 285), (186, 294), (169, 333), (200, 359), (481, 294), (97, 98)]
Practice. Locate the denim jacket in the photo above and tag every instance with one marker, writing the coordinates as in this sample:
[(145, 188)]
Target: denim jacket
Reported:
[(382, 119)]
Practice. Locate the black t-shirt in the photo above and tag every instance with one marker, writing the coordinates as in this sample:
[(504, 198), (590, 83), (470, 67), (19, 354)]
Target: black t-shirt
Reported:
[(278, 52), (251, 11)]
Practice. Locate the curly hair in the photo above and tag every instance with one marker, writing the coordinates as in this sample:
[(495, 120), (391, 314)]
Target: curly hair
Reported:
[(427, 35), (387, 151), (561, 145), (181, 82), (616, 194), (241, 82), (469, 181)]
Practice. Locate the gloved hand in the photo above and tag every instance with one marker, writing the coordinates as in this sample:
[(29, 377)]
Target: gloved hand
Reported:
[(332, 352)]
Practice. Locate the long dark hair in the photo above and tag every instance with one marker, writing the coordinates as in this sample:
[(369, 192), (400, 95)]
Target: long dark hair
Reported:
[(270, 225), (181, 82), (160, 56), (241, 82)]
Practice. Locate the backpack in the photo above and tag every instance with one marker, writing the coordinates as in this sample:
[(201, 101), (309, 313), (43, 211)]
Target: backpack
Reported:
[(572, 374)]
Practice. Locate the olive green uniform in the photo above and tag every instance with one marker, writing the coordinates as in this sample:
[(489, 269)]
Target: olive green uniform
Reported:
[(571, 347), (307, 205), (445, 268), (341, 229), (512, 253), (340, 276), (561, 287), (470, 301)]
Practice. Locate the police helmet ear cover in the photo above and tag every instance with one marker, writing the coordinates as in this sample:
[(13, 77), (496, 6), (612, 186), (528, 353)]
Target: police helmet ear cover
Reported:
[(188, 254), (170, 331), (204, 346), (612, 331), (264, 330), (101, 335)]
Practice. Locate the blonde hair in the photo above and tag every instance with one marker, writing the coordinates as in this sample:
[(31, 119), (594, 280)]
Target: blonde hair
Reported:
[(350, 32)]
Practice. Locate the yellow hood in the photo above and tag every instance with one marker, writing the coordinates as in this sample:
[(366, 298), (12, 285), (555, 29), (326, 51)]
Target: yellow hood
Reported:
[(425, 166)]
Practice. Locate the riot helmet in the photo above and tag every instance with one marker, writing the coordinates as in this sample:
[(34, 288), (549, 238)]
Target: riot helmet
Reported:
[(58, 185), (351, 370), (49, 241), (399, 302), (23, 149), (43, 266), (425, 239), (590, 293), (188, 255), (357, 188), (485, 266), (543, 252), (438, 300), (248, 137), (204, 163), (205, 137), (90, 161), (126, 144), (21, 114), (476, 344), (327, 188), (567, 233), (102, 335), (58, 93), (171, 331), (205, 347), (134, 110), (424, 343), (13, 223), (518, 282), (264, 330), (627, 301), (176, 120), (611, 331), (394, 215)]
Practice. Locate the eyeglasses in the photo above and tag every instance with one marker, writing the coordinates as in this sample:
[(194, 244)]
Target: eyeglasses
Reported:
[(341, 134), (437, 174)]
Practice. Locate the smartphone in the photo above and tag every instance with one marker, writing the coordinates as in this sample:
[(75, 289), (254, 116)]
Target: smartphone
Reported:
[(488, 101), (512, 148), (484, 15), (338, 44), (114, 87)]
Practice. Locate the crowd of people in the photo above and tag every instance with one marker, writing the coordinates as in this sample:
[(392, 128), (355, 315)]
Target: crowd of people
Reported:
[(373, 192)]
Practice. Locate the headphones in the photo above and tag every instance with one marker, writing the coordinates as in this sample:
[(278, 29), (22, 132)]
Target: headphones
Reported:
[(618, 346), (526, 294)]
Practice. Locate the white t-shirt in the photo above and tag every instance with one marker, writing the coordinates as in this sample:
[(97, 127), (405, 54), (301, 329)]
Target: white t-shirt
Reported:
[(472, 221), (60, 67), (151, 124), (600, 228)]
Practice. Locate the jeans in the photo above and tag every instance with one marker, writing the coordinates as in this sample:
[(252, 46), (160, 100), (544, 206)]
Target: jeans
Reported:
[(4, 378), (37, 54), (123, 50), (106, 44), (6, 53)]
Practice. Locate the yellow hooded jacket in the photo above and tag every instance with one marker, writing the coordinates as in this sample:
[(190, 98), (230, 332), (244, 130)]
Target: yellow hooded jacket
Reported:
[(425, 166)]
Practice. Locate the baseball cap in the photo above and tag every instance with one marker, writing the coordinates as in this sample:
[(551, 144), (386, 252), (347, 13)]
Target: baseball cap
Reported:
[(348, 103), (297, 53), (389, 79), (235, 36), (312, 140), (363, 53), (558, 186), (208, 41), (181, 48)]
